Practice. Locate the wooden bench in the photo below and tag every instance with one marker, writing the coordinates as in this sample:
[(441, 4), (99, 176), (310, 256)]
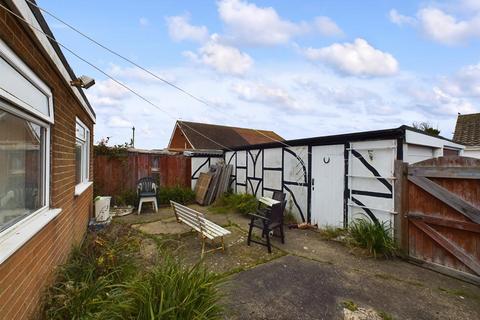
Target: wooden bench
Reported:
[(197, 221)]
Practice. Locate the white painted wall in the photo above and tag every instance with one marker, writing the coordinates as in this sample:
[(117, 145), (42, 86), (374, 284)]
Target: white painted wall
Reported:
[(417, 153), (201, 164), (379, 156), (328, 192), (472, 152)]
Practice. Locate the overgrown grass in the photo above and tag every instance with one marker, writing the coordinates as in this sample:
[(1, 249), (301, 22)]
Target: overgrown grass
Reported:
[(170, 291), (107, 279), (178, 194), (376, 238), (240, 203), (84, 282), (330, 232)]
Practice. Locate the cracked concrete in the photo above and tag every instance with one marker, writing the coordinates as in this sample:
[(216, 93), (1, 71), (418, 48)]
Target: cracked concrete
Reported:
[(308, 277)]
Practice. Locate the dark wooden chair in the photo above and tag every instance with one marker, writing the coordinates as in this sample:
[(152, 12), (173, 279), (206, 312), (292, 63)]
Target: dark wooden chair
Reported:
[(268, 219)]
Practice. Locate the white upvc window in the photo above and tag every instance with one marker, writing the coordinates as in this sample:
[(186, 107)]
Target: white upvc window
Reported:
[(82, 156), (26, 114)]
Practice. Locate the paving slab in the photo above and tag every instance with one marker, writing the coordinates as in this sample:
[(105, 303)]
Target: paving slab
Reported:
[(237, 256), (163, 227)]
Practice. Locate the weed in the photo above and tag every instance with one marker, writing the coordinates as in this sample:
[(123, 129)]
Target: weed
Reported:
[(457, 292), (375, 237), (289, 218), (103, 280), (385, 316), (391, 277), (169, 291), (178, 194), (330, 232), (240, 203), (350, 305), (126, 198), (83, 282)]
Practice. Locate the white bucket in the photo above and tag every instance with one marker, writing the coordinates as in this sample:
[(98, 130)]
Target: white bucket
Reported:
[(102, 209)]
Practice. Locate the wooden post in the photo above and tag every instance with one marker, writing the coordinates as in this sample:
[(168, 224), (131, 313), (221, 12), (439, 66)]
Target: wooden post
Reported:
[(401, 206)]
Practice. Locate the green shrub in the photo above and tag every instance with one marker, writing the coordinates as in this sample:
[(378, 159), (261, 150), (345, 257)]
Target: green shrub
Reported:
[(240, 203), (126, 198), (178, 194), (375, 237)]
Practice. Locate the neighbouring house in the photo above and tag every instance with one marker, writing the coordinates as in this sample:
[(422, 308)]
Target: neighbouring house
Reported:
[(467, 132), (46, 130), (203, 136)]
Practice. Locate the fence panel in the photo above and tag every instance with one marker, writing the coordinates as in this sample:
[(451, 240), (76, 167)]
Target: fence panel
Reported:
[(443, 214), (115, 175)]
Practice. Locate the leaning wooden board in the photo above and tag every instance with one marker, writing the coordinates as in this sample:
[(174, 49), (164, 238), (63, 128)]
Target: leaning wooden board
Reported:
[(201, 188)]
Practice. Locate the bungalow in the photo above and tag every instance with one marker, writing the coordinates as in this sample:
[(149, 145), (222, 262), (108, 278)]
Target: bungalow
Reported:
[(46, 131), (203, 136), (467, 132)]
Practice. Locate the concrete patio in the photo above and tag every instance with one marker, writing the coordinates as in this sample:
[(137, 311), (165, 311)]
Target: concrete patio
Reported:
[(308, 277)]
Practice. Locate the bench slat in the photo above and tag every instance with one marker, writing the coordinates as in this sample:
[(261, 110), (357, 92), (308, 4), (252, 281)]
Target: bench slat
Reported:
[(198, 222)]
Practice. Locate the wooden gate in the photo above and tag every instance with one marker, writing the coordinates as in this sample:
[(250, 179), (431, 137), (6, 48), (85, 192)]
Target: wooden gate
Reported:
[(443, 215)]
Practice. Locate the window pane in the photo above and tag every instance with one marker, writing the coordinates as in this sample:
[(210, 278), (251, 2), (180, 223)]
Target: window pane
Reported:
[(78, 162), (15, 83), (80, 132), (21, 167)]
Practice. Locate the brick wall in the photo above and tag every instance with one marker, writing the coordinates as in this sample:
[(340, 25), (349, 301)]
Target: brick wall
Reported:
[(25, 275)]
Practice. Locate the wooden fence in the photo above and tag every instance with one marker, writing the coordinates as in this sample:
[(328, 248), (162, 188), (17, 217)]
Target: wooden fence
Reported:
[(439, 221), (116, 175)]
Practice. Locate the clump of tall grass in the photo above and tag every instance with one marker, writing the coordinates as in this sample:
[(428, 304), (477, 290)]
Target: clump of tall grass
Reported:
[(170, 291), (83, 283), (376, 238), (106, 279), (240, 203)]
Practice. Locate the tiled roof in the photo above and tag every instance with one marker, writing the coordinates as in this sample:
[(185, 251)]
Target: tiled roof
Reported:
[(467, 130), (224, 136)]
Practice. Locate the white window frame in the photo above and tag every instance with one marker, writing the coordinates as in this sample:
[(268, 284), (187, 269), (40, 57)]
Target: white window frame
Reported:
[(15, 236), (85, 160), (11, 58)]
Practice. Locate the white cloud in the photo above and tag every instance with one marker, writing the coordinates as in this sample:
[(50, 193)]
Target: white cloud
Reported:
[(445, 28), (464, 83), (434, 101), (258, 92), (222, 58), (358, 58), (400, 19), (118, 122), (442, 27), (106, 93), (137, 74), (180, 29), (250, 24), (327, 27), (144, 21)]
